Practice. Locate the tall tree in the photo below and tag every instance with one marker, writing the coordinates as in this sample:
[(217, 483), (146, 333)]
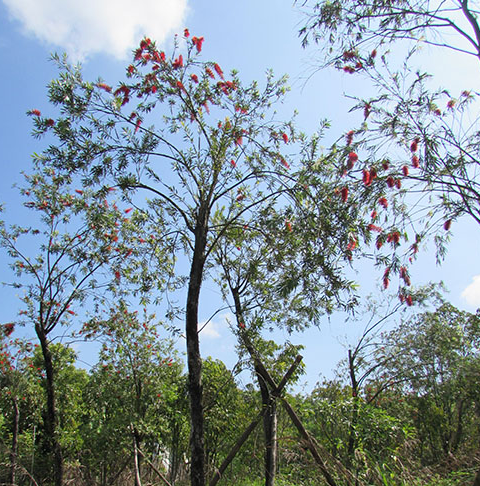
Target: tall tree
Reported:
[(217, 155)]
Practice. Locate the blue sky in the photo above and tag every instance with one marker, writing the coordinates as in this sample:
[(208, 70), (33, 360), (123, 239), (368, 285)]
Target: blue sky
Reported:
[(249, 36)]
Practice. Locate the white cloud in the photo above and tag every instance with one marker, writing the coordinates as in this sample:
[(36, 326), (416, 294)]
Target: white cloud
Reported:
[(213, 328), (86, 27), (472, 293)]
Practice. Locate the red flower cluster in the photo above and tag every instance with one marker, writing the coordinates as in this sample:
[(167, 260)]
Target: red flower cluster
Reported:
[(178, 63), (404, 275), (285, 137), (197, 42), (383, 202), (8, 328), (393, 237), (415, 162), (344, 193), (349, 137)]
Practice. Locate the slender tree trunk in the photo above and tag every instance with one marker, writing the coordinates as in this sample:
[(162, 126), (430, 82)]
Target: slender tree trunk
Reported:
[(51, 417), (269, 432), (197, 441), (136, 458), (14, 451), (352, 439)]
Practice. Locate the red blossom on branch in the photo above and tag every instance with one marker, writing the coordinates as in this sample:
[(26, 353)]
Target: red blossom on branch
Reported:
[(285, 137), (197, 42), (218, 69), (344, 193), (178, 63), (383, 202)]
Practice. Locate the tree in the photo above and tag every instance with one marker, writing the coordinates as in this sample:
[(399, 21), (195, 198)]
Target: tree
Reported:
[(205, 173), (77, 241), (132, 388), (417, 147)]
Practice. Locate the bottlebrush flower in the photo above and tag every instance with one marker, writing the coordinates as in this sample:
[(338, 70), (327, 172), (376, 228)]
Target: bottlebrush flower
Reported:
[(197, 42), (285, 137), (405, 170), (344, 193), (408, 300), (137, 125), (210, 72), (186, 33), (386, 164), (50, 122), (194, 78), (128, 210), (366, 177), (373, 215), (233, 163), (393, 237), (398, 183), (349, 69), (79, 191), (352, 158), (285, 163), (383, 202), (288, 225), (218, 69), (8, 328), (447, 224), (373, 54), (117, 275), (181, 87), (349, 137), (178, 63), (414, 145), (372, 227), (415, 162), (379, 243), (34, 112)]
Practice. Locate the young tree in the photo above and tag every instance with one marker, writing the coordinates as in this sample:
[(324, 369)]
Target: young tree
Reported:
[(77, 242)]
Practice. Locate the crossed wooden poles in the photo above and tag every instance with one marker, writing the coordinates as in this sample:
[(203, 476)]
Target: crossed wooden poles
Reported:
[(275, 393)]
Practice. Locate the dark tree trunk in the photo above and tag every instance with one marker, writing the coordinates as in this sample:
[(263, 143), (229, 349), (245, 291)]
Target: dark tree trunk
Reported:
[(352, 442), (197, 442), (270, 433), (14, 451), (51, 416)]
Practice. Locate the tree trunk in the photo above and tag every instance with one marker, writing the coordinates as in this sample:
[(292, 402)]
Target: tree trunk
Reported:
[(51, 417), (352, 434), (269, 432), (136, 458), (197, 441), (14, 451)]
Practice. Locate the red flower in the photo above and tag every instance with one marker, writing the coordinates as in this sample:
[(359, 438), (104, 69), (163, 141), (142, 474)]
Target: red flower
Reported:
[(79, 191), (285, 163), (390, 181), (8, 328), (288, 225), (70, 312), (349, 69), (186, 33), (137, 125), (210, 72), (386, 164), (105, 87), (181, 86), (194, 78), (350, 137), (352, 158), (218, 69), (373, 54), (447, 224), (451, 104), (285, 137), (178, 63), (366, 177), (415, 162), (379, 242), (408, 300), (197, 42), (239, 140), (233, 163), (374, 214), (347, 55), (398, 183), (50, 122), (117, 275), (241, 325), (372, 227), (128, 210), (383, 202), (35, 112), (405, 170), (414, 145), (344, 193)]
